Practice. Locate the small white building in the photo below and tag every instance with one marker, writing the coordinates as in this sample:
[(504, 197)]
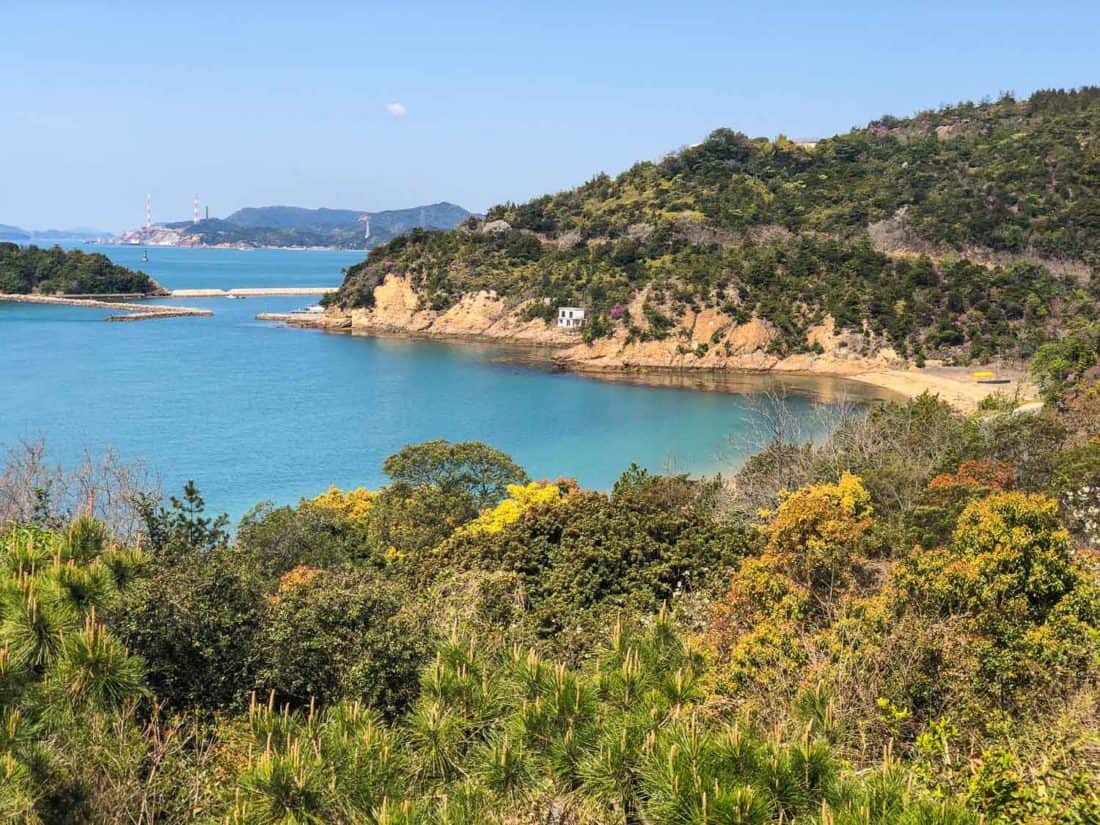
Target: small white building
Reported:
[(570, 317)]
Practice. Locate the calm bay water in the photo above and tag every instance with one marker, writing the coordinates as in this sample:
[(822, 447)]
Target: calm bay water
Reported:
[(255, 411)]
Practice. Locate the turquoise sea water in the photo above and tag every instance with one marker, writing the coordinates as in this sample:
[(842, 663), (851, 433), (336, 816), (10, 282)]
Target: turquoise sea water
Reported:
[(256, 411)]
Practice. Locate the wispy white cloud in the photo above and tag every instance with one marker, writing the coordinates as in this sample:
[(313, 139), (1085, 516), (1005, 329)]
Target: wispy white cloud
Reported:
[(396, 109)]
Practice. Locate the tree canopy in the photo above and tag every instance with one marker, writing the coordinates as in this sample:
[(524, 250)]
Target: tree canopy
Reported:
[(468, 467), (27, 269)]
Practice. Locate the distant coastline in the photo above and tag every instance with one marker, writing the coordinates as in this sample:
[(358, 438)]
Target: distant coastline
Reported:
[(292, 227), (240, 246)]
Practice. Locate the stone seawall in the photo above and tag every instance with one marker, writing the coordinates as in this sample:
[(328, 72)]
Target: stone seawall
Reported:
[(140, 311), (253, 292)]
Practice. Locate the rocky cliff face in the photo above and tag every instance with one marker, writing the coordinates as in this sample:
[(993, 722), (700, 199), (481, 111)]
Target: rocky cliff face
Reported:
[(398, 309), (706, 340), (711, 340)]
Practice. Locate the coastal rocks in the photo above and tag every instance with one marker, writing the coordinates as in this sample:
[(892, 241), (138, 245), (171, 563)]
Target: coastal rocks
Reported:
[(396, 306), (707, 325), (824, 335), (704, 340), (397, 309), (861, 347), (751, 337), (620, 351), (711, 340)]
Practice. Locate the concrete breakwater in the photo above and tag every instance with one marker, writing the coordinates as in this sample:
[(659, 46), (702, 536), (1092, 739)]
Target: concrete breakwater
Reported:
[(295, 319), (138, 312), (114, 296), (143, 311), (173, 312), (253, 292)]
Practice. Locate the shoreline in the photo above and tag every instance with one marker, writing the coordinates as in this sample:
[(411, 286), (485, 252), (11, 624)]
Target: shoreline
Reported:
[(951, 384), (954, 385)]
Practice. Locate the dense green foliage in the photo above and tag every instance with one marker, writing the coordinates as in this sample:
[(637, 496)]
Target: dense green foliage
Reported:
[(467, 469), (1069, 360), (510, 737), (29, 269), (582, 560), (1010, 175), (790, 234), (900, 624)]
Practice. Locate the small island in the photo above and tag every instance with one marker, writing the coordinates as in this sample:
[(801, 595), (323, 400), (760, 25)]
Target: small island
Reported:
[(32, 275), (32, 270)]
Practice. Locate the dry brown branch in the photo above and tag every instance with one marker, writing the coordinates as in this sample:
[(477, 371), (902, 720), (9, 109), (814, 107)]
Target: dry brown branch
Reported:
[(36, 490)]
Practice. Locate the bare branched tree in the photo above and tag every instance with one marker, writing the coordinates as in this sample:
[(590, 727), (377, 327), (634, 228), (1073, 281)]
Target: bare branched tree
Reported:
[(785, 445), (901, 449), (36, 490)]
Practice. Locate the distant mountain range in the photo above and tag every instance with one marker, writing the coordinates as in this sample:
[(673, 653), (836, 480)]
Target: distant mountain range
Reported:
[(395, 221), (20, 235), (280, 226)]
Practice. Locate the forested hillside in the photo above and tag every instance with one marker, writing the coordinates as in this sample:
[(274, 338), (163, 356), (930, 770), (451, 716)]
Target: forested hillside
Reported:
[(962, 233), (57, 271)]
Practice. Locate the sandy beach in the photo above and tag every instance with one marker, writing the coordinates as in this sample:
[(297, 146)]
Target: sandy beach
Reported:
[(955, 385)]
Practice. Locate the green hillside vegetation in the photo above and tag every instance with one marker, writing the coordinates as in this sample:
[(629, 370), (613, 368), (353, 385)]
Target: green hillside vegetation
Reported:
[(898, 625), (56, 271), (788, 233)]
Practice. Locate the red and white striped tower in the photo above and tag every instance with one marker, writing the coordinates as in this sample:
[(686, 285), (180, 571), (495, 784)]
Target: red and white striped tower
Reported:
[(195, 214), (148, 212)]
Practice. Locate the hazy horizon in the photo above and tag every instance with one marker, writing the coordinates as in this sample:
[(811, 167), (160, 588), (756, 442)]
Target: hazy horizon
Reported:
[(373, 107)]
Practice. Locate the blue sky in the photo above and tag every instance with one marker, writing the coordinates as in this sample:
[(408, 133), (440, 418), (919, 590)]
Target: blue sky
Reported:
[(261, 103)]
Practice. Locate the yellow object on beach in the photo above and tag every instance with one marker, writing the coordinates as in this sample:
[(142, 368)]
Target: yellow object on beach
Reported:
[(983, 374)]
